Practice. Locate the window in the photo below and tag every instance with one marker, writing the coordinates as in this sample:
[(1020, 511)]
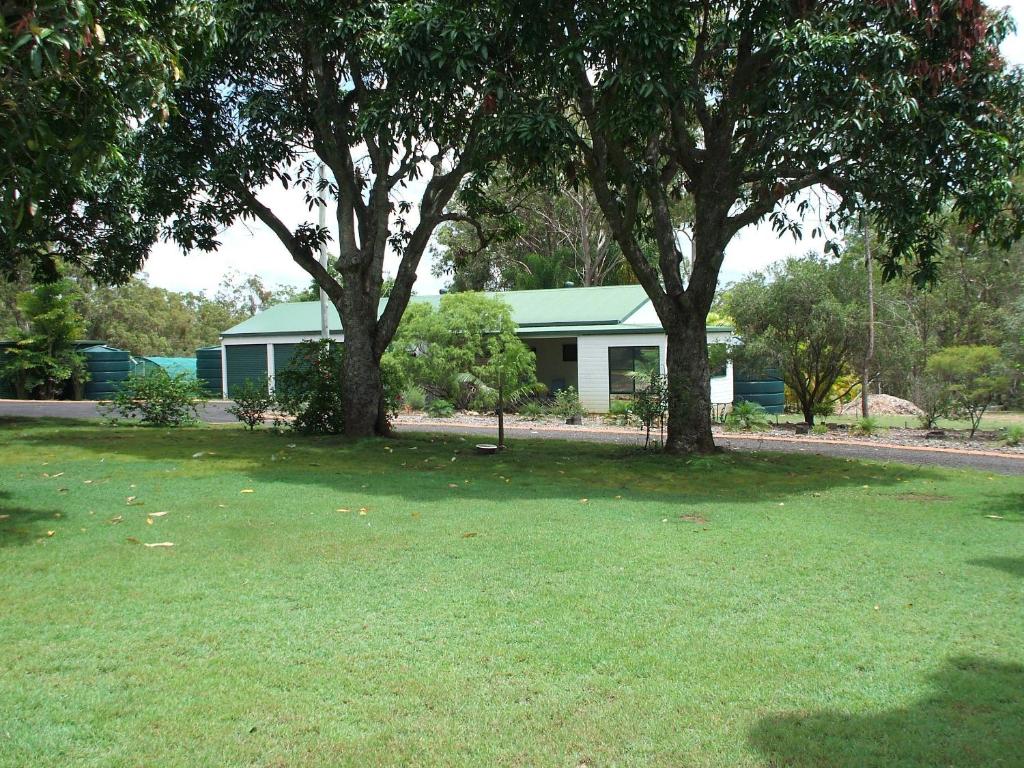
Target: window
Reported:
[(623, 362), (570, 353)]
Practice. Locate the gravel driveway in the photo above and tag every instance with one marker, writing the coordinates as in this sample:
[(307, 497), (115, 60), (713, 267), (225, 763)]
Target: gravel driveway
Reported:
[(215, 413)]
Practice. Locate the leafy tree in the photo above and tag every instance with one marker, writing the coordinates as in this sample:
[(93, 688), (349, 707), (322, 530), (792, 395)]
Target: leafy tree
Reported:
[(534, 237), (393, 97), (76, 81), (507, 368), (974, 377), (805, 317), (43, 358), (894, 109), (433, 348)]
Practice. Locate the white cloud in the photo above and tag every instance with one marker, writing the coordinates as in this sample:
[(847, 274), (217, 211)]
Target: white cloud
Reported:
[(251, 248)]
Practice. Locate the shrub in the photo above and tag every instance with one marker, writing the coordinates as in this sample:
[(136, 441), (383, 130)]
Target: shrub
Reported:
[(620, 412), (819, 429), (252, 400), (746, 416), (567, 404), (157, 399), (1014, 435), (868, 425), (414, 398), (440, 409), (309, 389), (531, 410)]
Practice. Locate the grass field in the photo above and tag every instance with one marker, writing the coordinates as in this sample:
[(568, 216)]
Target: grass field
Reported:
[(408, 603)]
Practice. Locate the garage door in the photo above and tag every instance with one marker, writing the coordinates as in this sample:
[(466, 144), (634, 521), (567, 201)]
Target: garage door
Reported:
[(245, 362)]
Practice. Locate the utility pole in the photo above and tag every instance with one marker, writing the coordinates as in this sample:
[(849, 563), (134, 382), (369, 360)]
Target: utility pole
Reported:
[(325, 329), (870, 352)]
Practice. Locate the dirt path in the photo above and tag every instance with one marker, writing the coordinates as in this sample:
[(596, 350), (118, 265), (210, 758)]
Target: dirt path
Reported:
[(214, 413)]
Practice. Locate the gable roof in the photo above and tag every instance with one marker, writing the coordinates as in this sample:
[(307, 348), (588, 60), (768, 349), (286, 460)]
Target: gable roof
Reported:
[(595, 309)]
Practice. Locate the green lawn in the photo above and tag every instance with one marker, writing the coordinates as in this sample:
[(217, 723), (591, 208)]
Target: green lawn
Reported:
[(558, 605)]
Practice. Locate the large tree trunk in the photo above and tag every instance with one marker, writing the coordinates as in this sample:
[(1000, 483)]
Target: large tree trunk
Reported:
[(362, 386), (689, 387), (362, 392)]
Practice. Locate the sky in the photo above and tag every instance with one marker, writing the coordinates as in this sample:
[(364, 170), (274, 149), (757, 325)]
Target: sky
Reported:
[(250, 248)]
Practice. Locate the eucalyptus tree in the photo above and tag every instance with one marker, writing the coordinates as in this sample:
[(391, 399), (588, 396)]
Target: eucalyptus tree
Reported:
[(393, 97), (757, 109), (76, 82)]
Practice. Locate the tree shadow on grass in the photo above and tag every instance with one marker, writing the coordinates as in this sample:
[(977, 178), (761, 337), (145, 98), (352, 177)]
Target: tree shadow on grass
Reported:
[(974, 717), (1011, 565), (1008, 505), (21, 525), (425, 467)]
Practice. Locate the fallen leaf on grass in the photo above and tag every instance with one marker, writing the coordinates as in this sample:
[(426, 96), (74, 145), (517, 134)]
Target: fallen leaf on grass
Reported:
[(584, 501), (87, 482), (994, 517), (149, 521), (343, 509), (363, 510), (469, 534), (116, 519), (160, 544), (247, 490), (50, 533), (197, 455), (5, 517), (453, 485), (157, 514)]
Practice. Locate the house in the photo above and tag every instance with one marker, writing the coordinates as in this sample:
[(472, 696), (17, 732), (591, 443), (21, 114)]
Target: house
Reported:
[(588, 338)]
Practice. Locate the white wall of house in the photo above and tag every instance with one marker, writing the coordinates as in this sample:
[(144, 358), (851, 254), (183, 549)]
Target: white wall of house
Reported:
[(593, 366)]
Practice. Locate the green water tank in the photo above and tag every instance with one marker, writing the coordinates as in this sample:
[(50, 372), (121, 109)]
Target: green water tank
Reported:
[(764, 387), (108, 368), (208, 369)]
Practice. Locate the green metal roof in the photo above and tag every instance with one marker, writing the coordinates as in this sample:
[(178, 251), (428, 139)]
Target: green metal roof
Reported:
[(565, 310)]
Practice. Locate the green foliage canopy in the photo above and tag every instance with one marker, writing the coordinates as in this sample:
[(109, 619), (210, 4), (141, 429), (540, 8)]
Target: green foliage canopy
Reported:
[(77, 79)]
